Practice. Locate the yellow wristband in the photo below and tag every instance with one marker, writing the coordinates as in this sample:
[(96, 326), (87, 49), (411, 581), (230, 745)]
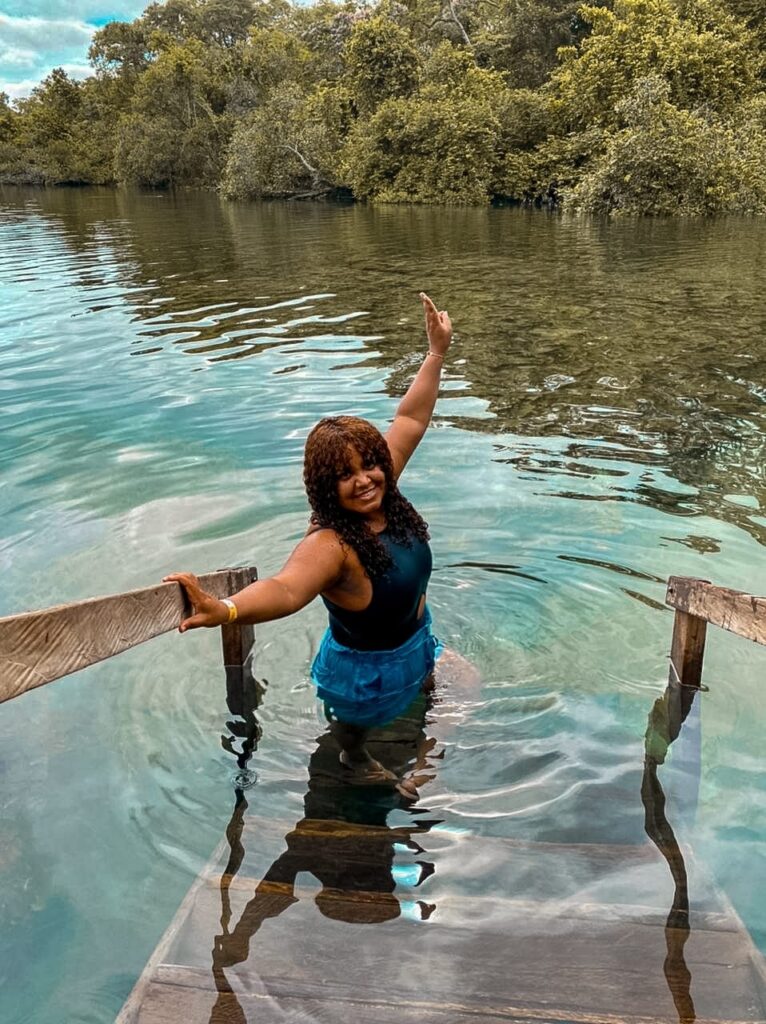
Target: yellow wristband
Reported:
[(232, 609)]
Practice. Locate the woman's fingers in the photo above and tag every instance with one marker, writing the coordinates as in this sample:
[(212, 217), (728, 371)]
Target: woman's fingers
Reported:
[(193, 622), (428, 306), (187, 579), (203, 604)]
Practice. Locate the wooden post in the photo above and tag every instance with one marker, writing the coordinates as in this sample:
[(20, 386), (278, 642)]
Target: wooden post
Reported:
[(688, 646), (687, 650), (242, 695), (237, 639)]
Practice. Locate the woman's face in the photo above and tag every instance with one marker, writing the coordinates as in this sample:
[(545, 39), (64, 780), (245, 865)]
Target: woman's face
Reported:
[(362, 487)]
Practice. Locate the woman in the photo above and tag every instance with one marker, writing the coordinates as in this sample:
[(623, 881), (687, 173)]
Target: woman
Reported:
[(366, 554)]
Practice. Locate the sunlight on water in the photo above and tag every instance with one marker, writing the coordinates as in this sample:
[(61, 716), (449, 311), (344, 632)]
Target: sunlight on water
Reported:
[(601, 427)]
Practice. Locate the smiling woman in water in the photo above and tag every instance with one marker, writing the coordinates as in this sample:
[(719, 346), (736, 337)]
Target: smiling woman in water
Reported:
[(366, 554)]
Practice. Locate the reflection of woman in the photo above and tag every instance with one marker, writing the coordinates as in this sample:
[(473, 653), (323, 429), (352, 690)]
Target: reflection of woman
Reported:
[(367, 555), (344, 841)]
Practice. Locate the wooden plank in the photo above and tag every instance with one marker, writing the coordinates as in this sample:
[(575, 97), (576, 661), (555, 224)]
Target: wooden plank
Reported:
[(132, 1006), (686, 652), (182, 994), (38, 647), (451, 907), (238, 640), (247, 948), (738, 612), (508, 966)]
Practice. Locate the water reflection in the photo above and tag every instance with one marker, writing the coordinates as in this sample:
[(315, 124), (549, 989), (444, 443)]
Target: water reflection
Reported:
[(666, 718), (343, 840), (666, 374)]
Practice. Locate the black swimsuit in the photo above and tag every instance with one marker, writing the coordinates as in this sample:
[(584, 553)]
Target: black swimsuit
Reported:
[(391, 617), (371, 665)]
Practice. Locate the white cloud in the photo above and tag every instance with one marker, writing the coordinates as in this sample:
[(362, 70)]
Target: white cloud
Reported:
[(18, 90), (74, 10), (37, 36), (18, 58), (41, 34), (79, 71), (31, 47)]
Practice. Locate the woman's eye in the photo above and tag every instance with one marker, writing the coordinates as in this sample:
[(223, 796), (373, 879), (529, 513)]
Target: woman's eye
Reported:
[(369, 464)]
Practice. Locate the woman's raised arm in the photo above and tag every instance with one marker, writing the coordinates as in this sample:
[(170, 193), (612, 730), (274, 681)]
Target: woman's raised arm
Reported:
[(414, 411), (315, 565)]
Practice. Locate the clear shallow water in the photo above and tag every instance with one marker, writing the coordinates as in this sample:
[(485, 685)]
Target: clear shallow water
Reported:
[(601, 427)]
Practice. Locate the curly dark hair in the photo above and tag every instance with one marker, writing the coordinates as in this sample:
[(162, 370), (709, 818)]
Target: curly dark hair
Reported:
[(326, 460)]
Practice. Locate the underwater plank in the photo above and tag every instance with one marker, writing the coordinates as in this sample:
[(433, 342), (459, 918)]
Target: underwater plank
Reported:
[(734, 610), (337, 971), (248, 948), (40, 646)]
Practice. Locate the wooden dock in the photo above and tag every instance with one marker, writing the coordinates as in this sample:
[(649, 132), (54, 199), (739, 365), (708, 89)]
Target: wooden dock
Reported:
[(326, 921), (340, 917), (266, 945)]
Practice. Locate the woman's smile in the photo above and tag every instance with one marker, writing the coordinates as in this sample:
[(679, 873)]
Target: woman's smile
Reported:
[(362, 486), (368, 494)]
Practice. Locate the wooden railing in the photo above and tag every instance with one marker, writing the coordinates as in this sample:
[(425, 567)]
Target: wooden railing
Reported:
[(698, 602), (38, 647)]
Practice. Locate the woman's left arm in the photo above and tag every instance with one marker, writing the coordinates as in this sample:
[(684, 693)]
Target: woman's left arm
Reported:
[(414, 411)]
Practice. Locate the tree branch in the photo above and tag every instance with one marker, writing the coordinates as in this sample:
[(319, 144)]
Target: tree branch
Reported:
[(458, 22), (315, 174)]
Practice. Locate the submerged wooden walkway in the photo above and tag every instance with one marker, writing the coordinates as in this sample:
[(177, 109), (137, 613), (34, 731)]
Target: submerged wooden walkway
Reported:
[(248, 948), (325, 920)]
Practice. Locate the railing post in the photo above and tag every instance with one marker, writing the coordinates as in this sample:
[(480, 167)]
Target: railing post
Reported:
[(687, 648), (237, 641)]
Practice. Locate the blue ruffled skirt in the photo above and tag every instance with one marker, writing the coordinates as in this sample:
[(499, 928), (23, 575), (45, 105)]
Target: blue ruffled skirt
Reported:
[(372, 688)]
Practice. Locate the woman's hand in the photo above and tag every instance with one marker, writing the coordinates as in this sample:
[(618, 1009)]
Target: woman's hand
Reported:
[(206, 609), (438, 326)]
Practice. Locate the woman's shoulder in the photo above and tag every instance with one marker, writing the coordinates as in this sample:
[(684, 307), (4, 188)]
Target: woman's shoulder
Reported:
[(323, 536), (315, 527)]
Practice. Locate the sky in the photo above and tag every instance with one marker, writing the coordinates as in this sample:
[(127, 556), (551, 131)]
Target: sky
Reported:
[(37, 36)]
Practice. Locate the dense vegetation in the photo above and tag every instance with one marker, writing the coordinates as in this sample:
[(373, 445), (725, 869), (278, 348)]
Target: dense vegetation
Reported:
[(641, 106)]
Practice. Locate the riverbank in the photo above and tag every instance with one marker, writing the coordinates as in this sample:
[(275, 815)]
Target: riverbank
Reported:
[(639, 108)]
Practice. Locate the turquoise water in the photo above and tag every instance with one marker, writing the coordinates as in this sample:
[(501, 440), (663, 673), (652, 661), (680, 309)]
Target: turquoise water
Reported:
[(601, 427)]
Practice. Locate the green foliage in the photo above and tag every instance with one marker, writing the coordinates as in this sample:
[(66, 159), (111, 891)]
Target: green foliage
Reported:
[(673, 161), (269, 58), (381, 63), (214, 22), (547, 173), (46, 133), (289, 145), (325, 28), (704, 55), (641, 106), (439, 145), (753, 14), (522, 38), (177, 127), (7, 118), (120, 48)]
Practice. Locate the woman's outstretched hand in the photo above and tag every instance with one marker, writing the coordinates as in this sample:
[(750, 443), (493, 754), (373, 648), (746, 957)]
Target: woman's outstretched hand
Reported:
[(438, 326), (206, 609)]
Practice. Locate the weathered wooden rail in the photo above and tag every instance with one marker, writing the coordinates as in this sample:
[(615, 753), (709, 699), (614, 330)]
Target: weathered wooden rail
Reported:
[(40, 646), (697, 603)]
